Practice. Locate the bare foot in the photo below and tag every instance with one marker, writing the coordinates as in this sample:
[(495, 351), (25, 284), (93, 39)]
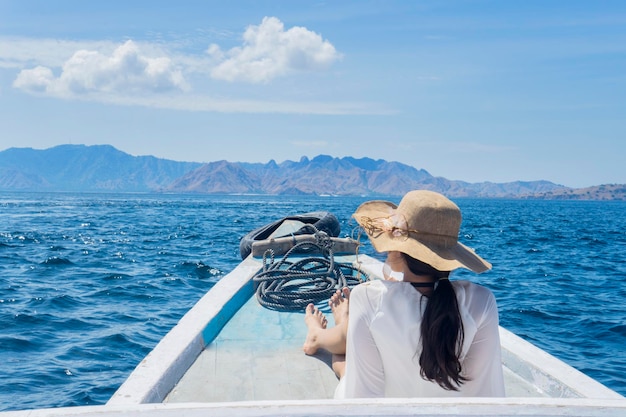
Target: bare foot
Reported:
[(315, 321), (339, 305)]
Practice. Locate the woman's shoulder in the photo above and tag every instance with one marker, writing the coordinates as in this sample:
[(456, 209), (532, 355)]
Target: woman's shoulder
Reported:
[(366, 298), (378, 292), (375, 286), (375, 292), (474, 295), (472, 287)]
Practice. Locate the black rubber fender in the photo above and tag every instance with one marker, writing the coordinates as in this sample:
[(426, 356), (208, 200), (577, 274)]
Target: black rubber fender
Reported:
[(320, 220)]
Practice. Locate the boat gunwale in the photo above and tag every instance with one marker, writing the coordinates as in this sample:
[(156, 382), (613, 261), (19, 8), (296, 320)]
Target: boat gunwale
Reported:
[(451, 407), (164, 366)]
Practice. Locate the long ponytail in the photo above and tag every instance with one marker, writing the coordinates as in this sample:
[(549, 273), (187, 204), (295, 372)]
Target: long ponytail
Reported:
[(441, 330)]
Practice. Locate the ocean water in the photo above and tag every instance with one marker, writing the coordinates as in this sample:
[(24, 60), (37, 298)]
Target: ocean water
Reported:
[(89, 283)]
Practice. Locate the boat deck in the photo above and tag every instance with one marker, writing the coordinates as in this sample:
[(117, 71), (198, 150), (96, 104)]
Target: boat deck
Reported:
[(258, 356), (229, 349)]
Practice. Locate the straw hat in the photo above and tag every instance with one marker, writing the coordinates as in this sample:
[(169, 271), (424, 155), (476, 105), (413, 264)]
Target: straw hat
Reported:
[(425, 226)]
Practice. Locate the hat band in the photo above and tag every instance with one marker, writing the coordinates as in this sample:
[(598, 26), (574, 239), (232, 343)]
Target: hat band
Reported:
[(397, 227)]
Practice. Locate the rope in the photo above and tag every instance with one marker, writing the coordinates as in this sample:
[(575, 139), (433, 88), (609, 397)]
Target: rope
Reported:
[(286, 285)]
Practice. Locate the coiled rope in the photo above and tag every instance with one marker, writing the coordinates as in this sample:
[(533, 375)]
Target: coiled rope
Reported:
[(286, 285)]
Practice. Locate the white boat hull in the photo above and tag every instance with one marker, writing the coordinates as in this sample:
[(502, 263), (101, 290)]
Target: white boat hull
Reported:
[(529, 371), (538, 384)]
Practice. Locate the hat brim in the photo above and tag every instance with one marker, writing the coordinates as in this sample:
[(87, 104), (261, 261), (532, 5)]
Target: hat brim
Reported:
[(439, 257)]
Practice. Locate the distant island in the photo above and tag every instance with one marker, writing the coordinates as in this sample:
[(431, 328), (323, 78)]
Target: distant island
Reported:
[(103, 168)]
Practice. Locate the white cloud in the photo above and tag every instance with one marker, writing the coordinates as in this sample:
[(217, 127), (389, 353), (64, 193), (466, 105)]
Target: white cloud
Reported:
[(215, 52), (159, 74), (269, 51), (125, 70), (38, 79), (19, 52)]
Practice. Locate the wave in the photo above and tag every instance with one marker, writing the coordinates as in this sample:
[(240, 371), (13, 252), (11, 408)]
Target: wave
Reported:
[(54, 261)]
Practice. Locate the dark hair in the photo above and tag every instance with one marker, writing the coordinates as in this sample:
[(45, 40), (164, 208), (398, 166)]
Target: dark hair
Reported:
[(441, 330)]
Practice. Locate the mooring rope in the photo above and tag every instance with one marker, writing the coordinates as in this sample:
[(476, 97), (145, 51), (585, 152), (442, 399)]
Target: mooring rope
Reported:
[(291, 285)]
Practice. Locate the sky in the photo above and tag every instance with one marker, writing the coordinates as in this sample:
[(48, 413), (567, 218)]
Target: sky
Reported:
[(468, 90)]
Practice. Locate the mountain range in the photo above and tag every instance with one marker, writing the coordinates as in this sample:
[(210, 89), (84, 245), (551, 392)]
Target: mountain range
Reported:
[(103, 168)]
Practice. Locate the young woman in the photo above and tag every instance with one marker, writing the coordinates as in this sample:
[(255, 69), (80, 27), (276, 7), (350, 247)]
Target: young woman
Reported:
[(416, 333)]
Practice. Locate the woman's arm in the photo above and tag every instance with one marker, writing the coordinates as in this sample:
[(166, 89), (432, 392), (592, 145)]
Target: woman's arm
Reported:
[(364, 376), (483, 363)]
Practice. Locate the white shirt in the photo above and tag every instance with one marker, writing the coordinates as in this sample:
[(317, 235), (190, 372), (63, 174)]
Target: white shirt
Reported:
[(383, 346)]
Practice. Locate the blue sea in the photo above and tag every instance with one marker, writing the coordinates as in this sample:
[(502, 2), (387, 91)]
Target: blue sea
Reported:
[(89, 283)]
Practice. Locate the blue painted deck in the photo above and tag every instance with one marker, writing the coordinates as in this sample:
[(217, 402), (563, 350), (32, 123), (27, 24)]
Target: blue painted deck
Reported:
[(213, 356), (257, 356)]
